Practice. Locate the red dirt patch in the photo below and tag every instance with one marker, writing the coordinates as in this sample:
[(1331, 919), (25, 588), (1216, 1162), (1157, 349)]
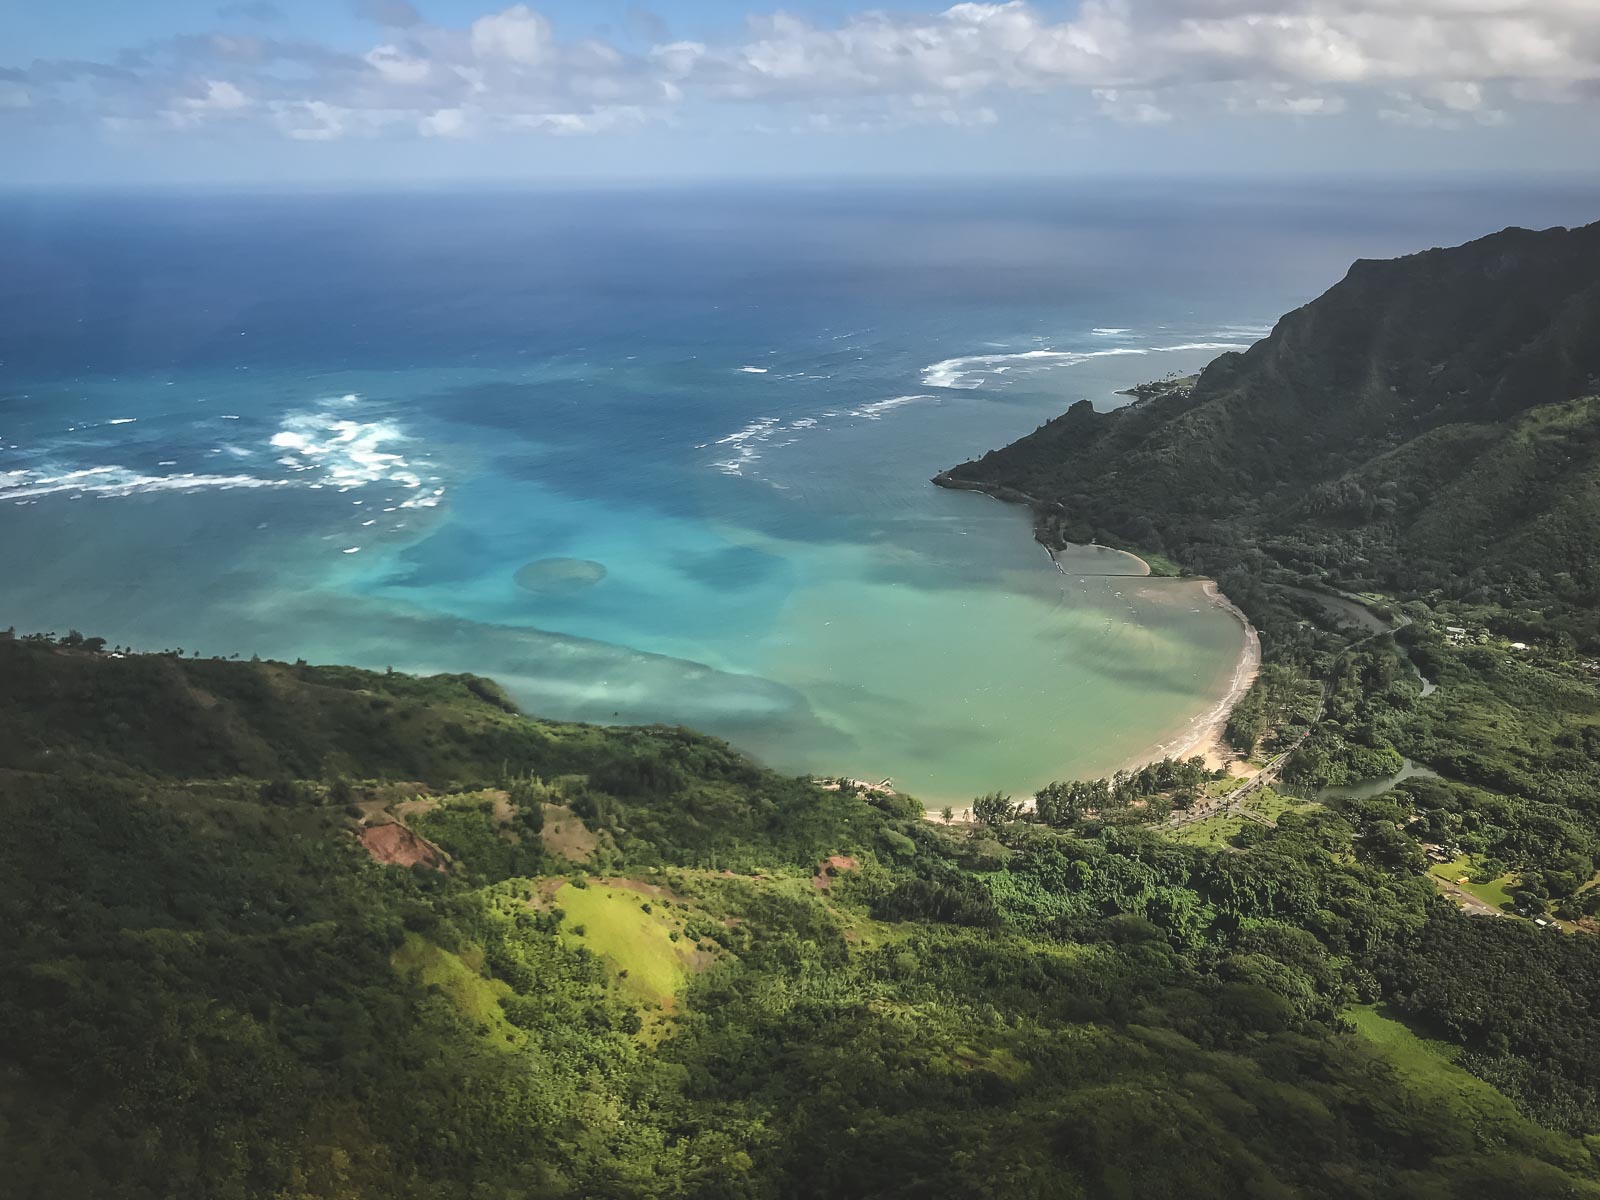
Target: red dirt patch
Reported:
[(831, 866), (396, 846)]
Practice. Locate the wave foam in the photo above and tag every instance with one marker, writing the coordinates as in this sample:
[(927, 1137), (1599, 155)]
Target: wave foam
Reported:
[(974, 370), (320, 449), (744, 445), (117, 481), (346, 453), (875, 410), (971, 370), (747, 443)]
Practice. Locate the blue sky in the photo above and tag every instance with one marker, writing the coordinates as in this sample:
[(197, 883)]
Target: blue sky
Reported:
[(429, 91)]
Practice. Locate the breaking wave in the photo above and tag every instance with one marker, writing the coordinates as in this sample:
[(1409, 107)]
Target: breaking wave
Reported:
[(974, 370), (117, 481), (316, 449), (877, 408)]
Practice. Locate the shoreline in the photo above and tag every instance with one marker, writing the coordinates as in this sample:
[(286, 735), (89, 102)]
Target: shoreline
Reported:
[(1204, 736)]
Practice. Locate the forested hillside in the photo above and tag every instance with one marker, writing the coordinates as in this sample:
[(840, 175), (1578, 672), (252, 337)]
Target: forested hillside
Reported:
[(278, 930), (1401, 488), (1429, 422), (288, 931)]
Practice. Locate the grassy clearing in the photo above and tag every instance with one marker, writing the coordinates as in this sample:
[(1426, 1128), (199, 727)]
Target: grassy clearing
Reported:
[(1214, 833), (1495, 893), (638, 944), (476, 997), (1271, 805), (1160, 565), (1412, 1055), (1482, 1112), (1218, 831)]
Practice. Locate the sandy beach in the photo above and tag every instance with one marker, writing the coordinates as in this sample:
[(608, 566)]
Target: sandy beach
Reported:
[(1204, 734), (1205, 738)]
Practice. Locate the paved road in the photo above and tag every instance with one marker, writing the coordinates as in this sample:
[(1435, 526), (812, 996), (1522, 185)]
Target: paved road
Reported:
[(1269, 772), (1469, 903)]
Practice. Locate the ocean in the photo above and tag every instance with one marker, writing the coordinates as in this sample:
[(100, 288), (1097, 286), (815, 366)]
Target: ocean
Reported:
[(651, 456)]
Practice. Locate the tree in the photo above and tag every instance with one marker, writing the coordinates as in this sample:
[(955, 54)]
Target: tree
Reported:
[(995, 810)]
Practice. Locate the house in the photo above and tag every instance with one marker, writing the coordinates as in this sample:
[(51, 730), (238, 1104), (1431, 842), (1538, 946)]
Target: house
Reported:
[(1456, 634)]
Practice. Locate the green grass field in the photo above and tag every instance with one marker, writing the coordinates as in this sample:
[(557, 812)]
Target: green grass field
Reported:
[(1476, 1107), (1213, 832), (1220, 830), (1496, 892), (616, 927), (475, 996)]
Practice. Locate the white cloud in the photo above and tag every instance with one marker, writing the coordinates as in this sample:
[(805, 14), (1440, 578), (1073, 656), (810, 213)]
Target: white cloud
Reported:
[(313, 121), (445, 123), (1433, 63), (397, 66), (1159, 44), (1281, 99), (1440, 106), (1457, 94), (518, 34), (1130, 107), (220, 96)]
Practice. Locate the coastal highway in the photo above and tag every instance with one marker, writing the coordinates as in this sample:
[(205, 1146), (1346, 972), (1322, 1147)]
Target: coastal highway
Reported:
[(1268, 772), (1273, 768)]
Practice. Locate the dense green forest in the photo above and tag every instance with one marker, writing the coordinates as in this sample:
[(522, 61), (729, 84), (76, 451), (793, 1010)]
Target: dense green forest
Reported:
[(1398, 487), (1430, 426), (278, 930), (626, 962)]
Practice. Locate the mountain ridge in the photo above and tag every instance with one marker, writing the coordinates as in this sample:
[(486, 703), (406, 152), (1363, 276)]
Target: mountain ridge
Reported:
[(1436, 362)]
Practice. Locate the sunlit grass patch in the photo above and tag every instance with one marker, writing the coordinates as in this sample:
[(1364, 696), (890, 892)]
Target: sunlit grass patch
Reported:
[(476, 997), (1496, 892), (639, 945)]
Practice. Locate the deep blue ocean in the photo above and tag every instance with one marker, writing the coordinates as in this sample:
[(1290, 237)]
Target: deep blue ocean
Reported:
[(651, 455)]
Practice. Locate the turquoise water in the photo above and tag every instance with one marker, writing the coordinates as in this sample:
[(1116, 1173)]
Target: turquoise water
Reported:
[(822, 605), (345, 428)]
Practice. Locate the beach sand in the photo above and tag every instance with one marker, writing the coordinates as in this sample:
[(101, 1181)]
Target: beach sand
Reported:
[(1205, 738), (1205, 733)]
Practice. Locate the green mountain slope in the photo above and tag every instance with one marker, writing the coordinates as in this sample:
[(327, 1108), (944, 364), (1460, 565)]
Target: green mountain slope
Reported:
[(631, 979), (1428, 416), (273, 930)]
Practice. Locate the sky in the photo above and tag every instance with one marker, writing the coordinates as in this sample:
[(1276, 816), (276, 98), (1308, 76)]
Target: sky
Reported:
[(423, 92)]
